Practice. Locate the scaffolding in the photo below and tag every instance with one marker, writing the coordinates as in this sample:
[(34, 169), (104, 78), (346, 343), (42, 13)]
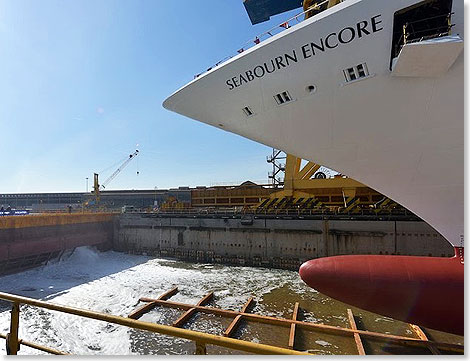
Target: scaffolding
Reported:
[(279, 168)]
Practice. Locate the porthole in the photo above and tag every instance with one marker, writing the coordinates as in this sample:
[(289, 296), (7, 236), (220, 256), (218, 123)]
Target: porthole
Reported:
[(311, 89)]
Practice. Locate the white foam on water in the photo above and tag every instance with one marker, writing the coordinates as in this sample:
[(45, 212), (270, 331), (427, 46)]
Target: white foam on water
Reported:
[(113, 282)]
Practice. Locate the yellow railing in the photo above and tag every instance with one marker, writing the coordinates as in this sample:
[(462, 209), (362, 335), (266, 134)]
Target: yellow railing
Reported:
[(201, 339), (34, 345)]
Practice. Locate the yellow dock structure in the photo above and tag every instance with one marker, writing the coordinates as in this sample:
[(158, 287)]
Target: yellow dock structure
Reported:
[(303, 187)]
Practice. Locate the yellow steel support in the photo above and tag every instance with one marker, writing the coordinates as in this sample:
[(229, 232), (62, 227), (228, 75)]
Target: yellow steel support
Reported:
[(291, 174), (350, 204), (309, 170), (198, 337), (201, 349), (348, 193), (386, 204), (298, 183), (340, 182), (13, 345)]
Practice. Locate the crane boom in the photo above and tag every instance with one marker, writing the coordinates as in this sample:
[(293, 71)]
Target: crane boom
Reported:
[(121, 167)]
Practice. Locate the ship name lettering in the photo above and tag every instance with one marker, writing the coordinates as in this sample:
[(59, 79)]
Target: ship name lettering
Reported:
[(331, 41), (260, 71)]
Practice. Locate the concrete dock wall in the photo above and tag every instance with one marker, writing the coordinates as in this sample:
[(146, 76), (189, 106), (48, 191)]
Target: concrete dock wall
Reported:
[(281, 243), (30, 241)]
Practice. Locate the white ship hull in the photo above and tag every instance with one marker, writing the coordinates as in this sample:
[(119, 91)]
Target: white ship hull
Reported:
[(400, 135)]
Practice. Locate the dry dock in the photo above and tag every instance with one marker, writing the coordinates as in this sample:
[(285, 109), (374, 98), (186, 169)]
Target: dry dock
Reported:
[(237, 239), (278, 242), (29, 241)]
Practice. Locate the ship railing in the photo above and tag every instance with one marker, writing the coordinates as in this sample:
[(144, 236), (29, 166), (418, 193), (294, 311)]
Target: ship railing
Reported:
[(271, 32), (425, 29), (199, 338)]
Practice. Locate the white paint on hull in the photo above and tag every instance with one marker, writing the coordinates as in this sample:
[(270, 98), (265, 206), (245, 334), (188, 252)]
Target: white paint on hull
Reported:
[(403, 136)]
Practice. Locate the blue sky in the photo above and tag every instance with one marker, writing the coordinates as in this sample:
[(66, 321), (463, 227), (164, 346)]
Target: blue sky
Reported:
[(82, 83)]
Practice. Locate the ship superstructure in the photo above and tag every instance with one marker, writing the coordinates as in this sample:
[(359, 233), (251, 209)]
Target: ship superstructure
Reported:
[(373, 89)]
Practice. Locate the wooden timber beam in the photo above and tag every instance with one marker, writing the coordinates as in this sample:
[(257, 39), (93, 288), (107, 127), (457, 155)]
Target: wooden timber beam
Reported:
[(408, 341), (184, 317), (137, 313), (292, 326), (236, 321), (190, 312), (233, 326), (357, 337), (195, 336), (420, 333)]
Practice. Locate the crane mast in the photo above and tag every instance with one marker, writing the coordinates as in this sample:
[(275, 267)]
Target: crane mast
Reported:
[(97, 187)]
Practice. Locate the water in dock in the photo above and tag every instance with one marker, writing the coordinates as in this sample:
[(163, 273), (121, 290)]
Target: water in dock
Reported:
[(113, 283)]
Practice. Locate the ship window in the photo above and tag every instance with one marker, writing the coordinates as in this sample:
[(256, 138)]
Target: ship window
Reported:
[(351, 74), (361, 71), (356, 72), (283, 98), (248, 112), (279, 99)]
